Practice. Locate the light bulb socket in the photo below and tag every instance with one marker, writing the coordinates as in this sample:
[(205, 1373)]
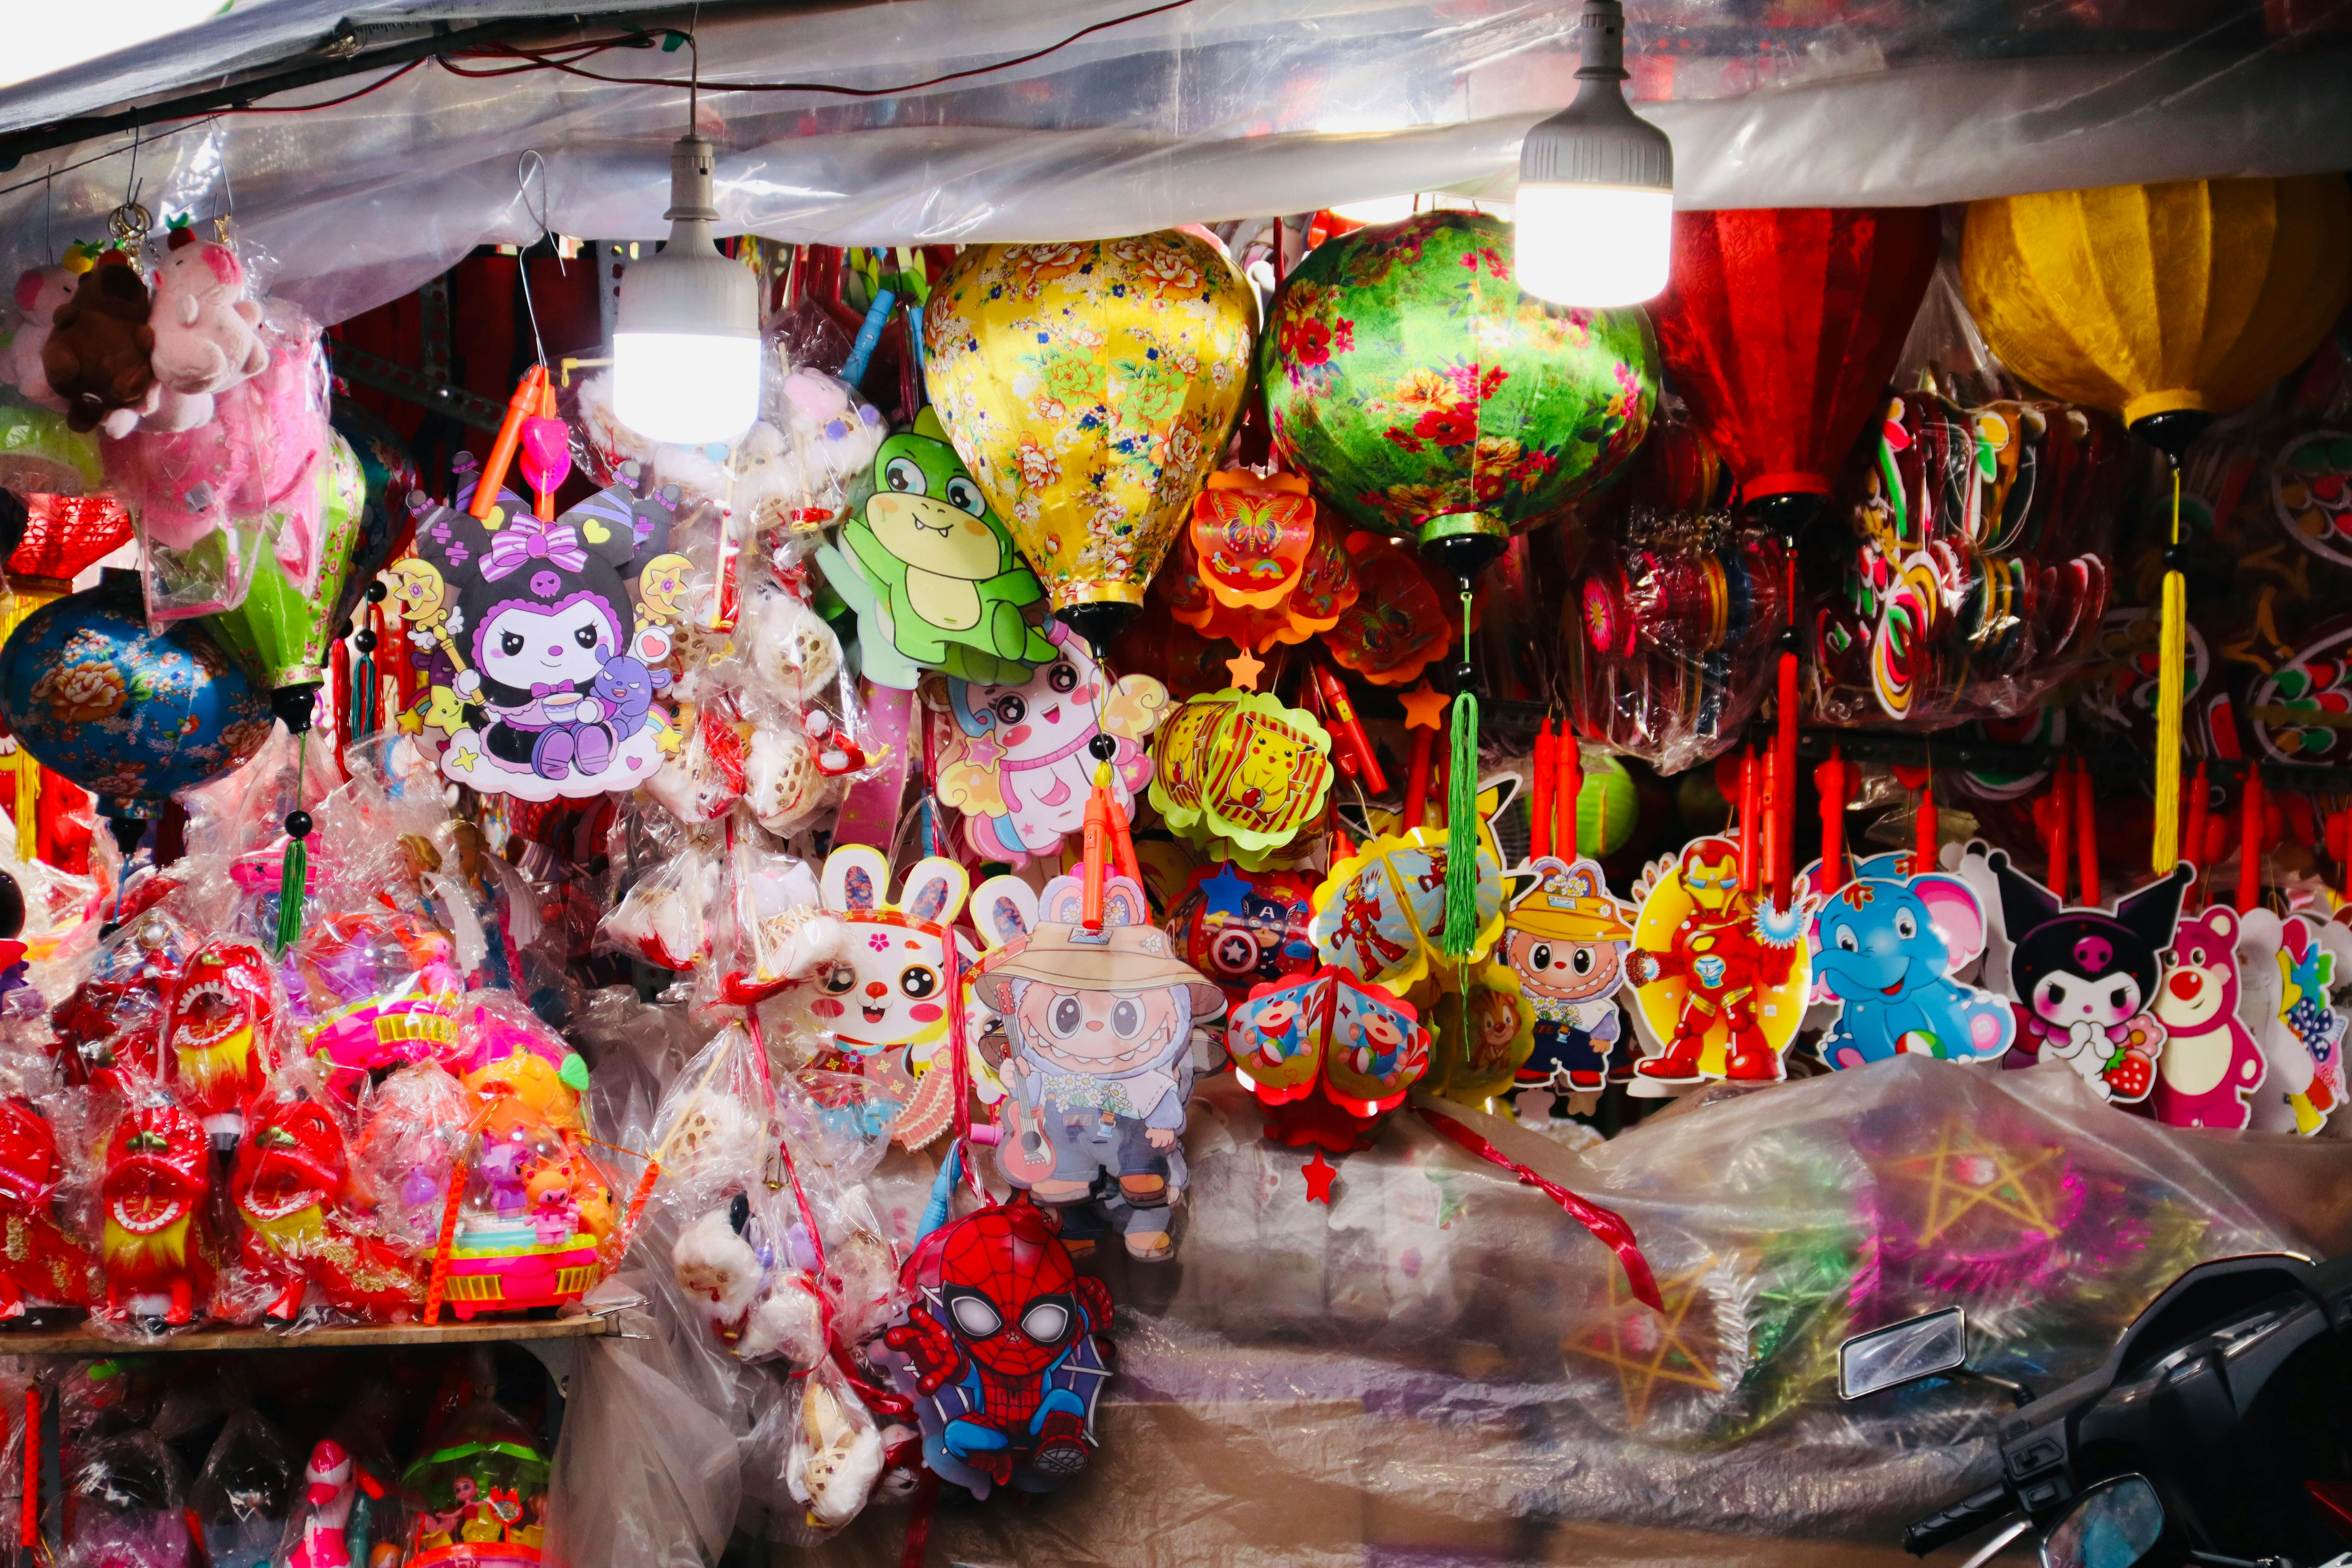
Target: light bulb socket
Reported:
[(688, 288), (693, 166), (1598, 140)]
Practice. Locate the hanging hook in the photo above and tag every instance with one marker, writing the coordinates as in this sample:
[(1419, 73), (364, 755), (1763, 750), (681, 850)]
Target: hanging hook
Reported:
[(524, 166)]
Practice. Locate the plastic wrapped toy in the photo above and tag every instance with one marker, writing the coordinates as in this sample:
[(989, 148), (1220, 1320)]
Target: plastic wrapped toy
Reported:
[(483, 1495), (503, 1048), (219, 1034), (157, 1248), (370, 990), (116, 1016), (532, 1216), (300, 1242), (240, 1498), (318, 1536), (125, 1506), (412, 1128), (41, 1264), (1002, 1343)]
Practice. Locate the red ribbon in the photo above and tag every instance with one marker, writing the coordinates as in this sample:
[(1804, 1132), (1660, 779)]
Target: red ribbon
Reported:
[(1605, 1224)]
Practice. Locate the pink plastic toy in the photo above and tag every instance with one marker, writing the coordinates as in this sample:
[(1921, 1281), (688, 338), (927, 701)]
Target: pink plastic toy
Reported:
[(373, 990), (39, 292), (533, 1217)]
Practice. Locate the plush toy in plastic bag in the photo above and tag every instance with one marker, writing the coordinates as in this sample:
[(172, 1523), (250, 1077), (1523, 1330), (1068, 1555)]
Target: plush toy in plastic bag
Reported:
[(125, 1505), (1098, 1067), (504, 1048), (837, 1450), (553, 695), (1006, 1344), (115, 1018), (303, 1248), (665, 918), (157, 1248), (412, 1128)]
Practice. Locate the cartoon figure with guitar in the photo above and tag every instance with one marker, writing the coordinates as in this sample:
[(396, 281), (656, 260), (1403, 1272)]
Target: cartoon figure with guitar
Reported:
[(1097, 1068)]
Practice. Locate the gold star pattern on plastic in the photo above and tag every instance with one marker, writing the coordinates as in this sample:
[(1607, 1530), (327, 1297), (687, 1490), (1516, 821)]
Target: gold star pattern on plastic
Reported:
[(1651, 1348), (1965, 1174)]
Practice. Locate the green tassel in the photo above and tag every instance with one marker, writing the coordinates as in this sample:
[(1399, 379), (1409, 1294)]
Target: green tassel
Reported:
[(1461, 831), (293, 888)]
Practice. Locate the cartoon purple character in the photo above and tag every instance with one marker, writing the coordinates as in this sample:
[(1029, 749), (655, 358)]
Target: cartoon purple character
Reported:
[(543, 607), (626, 688)]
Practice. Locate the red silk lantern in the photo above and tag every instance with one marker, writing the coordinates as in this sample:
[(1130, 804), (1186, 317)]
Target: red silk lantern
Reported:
[(1781, 326)]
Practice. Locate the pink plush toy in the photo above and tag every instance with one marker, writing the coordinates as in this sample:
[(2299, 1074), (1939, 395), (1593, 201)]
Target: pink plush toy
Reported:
[(39, 292), (205, 337)]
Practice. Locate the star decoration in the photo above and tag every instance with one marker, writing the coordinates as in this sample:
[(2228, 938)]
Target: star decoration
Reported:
[(1222, 893), (1424, 707), (1319, 1173), (411, 722), (1677, 1345), (1244, 667), (1966, 1173), (465, 758)]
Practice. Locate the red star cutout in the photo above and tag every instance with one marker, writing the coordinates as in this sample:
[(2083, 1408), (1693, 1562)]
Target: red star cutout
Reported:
[(1319, 1173)]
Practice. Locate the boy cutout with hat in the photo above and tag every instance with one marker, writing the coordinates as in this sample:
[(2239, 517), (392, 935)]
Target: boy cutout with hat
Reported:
[(1567, 938)]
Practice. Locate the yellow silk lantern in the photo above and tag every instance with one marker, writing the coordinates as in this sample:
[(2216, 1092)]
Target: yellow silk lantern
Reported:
[(1091, 388), (2167, 304)]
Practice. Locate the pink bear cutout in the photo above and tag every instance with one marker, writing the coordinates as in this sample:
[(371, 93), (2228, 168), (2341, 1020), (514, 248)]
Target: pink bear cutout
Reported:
[(2210, 1061)]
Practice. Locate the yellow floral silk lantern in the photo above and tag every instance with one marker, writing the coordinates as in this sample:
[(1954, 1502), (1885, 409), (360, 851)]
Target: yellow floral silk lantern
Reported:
[(1091, 388)]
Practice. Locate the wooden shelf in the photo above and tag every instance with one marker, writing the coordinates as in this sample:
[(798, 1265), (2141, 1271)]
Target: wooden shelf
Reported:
[(82, 1341)]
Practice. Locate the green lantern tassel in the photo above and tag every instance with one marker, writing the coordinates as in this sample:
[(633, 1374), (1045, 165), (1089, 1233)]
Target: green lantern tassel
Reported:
[(1462, 813), (293, 879)]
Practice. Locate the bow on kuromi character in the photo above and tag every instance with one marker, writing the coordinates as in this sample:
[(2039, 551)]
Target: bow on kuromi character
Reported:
[(550, 669)]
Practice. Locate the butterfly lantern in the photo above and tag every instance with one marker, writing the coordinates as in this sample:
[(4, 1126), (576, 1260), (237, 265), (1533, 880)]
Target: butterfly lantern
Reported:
[(884, 1000), (1097, 1068)]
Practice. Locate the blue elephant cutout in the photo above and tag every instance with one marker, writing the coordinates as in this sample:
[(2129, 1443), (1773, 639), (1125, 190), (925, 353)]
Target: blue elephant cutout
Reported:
[(1885, 946)]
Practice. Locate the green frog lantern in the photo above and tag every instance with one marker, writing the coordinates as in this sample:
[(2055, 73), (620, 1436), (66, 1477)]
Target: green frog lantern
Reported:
[(929, 570)]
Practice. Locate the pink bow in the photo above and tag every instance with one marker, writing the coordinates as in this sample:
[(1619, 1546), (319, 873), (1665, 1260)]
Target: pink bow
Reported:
[(527, 538)]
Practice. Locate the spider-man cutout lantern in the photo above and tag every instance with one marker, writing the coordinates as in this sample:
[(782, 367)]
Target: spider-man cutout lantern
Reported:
[(1002, 1340)]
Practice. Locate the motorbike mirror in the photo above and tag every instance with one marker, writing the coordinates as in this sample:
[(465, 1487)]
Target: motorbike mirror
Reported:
[(1903, 1352), (2119, 1523)]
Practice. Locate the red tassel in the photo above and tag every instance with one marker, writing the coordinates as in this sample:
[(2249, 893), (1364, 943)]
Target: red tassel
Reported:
[(1539, 811), (1925, 851), (2250, 842), (1751, 846), (2086, 854), (28, 1529), (1784, 773), (2193, 837), (2059, 829), (1830, 778), (1568, 790)]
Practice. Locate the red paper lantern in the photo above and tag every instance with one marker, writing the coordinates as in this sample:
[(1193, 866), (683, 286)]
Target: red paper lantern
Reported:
[(1780, 328)]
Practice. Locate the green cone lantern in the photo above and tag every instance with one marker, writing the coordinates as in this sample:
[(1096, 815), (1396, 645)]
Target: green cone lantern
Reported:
[(1410, 378)]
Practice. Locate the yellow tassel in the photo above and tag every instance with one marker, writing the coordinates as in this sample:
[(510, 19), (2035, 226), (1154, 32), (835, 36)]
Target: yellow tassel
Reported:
[(2172, 657)]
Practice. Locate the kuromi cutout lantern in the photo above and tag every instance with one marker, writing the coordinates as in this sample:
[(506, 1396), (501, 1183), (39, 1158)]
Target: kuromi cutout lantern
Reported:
[(553, 694), (884, 1000), (1098, 1065), (2087, 980)]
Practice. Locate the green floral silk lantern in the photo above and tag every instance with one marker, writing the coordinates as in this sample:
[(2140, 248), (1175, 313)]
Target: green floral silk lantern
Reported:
[(1423, 393)]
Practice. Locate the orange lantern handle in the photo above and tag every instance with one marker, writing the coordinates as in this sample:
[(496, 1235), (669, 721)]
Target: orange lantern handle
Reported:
[(522, 405)]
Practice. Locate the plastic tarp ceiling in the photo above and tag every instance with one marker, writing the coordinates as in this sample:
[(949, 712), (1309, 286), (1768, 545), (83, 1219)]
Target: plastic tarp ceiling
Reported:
[(1209, 110)]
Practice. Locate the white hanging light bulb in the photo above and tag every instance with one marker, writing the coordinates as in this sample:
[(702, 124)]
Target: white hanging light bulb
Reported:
[(686, 337), (1596, 202)]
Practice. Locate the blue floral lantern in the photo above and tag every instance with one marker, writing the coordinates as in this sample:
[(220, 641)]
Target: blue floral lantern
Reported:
[(130, 715)]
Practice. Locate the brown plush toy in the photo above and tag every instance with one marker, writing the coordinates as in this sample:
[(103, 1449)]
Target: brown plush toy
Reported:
[(96, 358)]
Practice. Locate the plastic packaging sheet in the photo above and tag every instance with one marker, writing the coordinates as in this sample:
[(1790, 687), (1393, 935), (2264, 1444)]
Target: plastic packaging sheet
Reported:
[(1217, 110), (1441, 1367)]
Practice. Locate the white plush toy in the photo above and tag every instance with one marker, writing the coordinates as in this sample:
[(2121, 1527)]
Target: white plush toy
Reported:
[(207, 339), (837, 1456), (782, 782), (39, 292), (795, 654)]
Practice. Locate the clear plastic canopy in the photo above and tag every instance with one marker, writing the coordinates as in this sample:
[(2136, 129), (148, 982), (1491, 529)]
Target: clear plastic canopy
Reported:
[(1204, 112)]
